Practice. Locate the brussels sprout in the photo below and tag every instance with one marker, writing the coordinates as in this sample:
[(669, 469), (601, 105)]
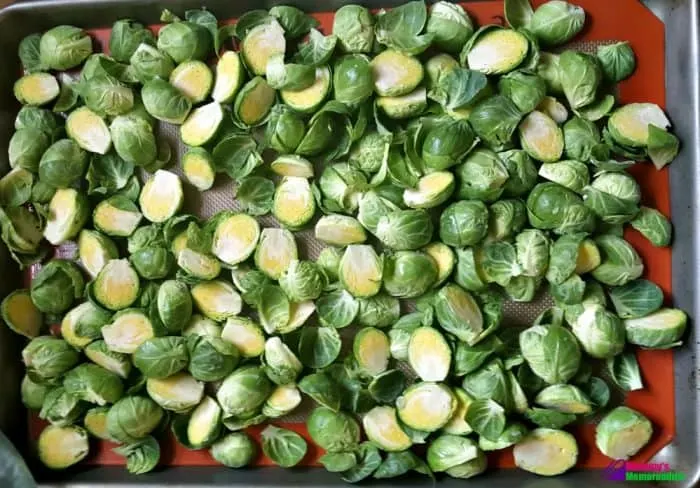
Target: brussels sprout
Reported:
[(164, 102), (404, 106), (429, 354), (371, 351), (36, 89), (403, 230), (57, 285), (235, 450), (341, 185), (506, 218), (26, 148), (161, 357), (63, 164), (569, 215), (636, 299), (360, 270), (141, 456), (371, 152), (450, 26), (280, 363), (525, 88), (116, 216), (482, 176), (20, 314), (194, 79), (62, 447), (617, 61), (61, 408), (94, 384), (229, 77), (368, 462), (564, 398), (432, 190), (580, 76), (292, 165), (83, 324), (383, 429), (149, 63), (198, 168), (254, 102), (444, 258), (104, 95), (458, 313), (276, 249), (322, 389), (95, 422), (235, 237), (541, 138), (354, 27), (174, 304), (48, 358), (117, 363), (622, 433), (202, 124), (620, 262), (133, 418), (426, 406), (202, 427), (117, 285), (653, 225), (244, 391), (133, 139), (662, 329), (261, 43), (409, 274), (395, 73), (333, 431), (179, 392), (64, 47), (309, 99), (464, 223), (284, 447), (294, 204), (198, 325), (569, 174), (458, 424), (339, 230), (216, 299), (557, 22), (129, 329), (614, 197), (88, 129), (246, 335), (28, 53), (450, 451), (303, 280), (284, 131), (601, 333), (493, 50), (126, 36), (294, 77), (95, 250), (438, 66), (554, 109), (283, 400), (537, 344), (521, 170), (184, 41), (546, 452)]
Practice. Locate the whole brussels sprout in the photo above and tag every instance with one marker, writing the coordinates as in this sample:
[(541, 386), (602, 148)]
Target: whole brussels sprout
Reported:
[(557, 22), (133, 139), (126, 36), (94, 384), (174, 305), (284, 130), (482, 176), (525, 88), (443, 143), (48, 357), (303, 280), (64, 47), (622, 433), (617, 60), (185, 41), (57, 286), (63, 163), (161, 357), (538, 345), (211, 358), (26, 148), (234, 450), (153, 263), (244, 391), (450, 25), (600, 332), (106, 95), (404, 230), (164, 102), (354, 27), (333, 431), (352, 79), (464, 223), (613, 197), (133, 418), (149, 62), (409, 274), (552, 206), (280, 363)]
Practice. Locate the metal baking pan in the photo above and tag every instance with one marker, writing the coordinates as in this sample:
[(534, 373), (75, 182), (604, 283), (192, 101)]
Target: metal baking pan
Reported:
[(681, 19)]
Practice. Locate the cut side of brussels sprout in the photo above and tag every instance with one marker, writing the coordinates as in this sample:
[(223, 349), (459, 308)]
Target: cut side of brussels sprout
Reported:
[(429, 354), (235, 238), (371, 350), (426, 406), (497, 51), (629, 125), (116, 362), (117, 286), (383, 429), (161, 196), (292, 165), (360, 270), (128, 330), (21, 315), (253, 102), (432, 190), (588, 257), (294, 204), (405, 106), (546, 452), (564, 398), (82, 325), (299, 313), (276, 249), (95, 250), (36, 89), (204, 425), (229, 77), (395, 73), (309, 99), (201, 326), (68, 212), (194, 80), (202, 124), (62, 447), (116, 216), (283, 400), (246, 335), (661, 329), (541, 137), (339, 230), (202, 266), (458, 424), (261, 43), (217, 300), (89, 130), (95, 422), (179, 392), (622, 433), (444, 257), (198, 168)]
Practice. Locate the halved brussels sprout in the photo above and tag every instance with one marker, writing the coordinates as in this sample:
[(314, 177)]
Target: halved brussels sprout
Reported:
[(197, 264), (261, 43), (246, 335), (194, 79), (354, 27), (117, 285), (546, 452), (95, 250), (432, 190), (62, 447), (117, 216), (426, 406), (229, 77), (83, 324), (588, 257), (294, 204), (429, 354), (404, 106), (217, 299), (129, 329), (383, 429), (95, 422), (276, 249), (292, 165), (179, 392), (622, 433), (458, 424), (564, 398), (64, 47), (254, 102), (371, 350), (161, 196), (339, 230), (444, 258), (629, 124), (68, 212), (360, 270), (459, 314), (660, 330), (199, 325), (204, 424), (494, 50), (299, 313), (279, 362), (202, 124), (541, 137), (244, 391), (20, 314), (283, 400), (288, 76), (554, 109), (133, 418), (198, 168), (235, 238), (164, 102), (89, 130), (118, 363), (234, 450), (36, 89), (395, 73), (310, 99)]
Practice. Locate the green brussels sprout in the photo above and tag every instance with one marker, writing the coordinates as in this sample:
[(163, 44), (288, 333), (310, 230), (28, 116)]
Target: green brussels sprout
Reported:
[(329, 261), (129, 329), (148, 63), (284, 130), (88, 130), (126, 36), (194, 79), (464, 223), (142, 456), (179, 393), (443, 143), (246, 335), (185, 41), (280, 364), (283, 400), (548, 69), (322, 389), (83, 324), (133, 418), (662, 329), (202, 427), (494, 50), (360, 270), (63, 164), (546, 452), (371, 351), (164, 102), (438, 66), (613, 197), (537, 344), (16, 187), (48, 358), (569, 174), (161, 197), (469, 273), (404, 230), (383, 429), (395, 73), (557, 22), (426, 406), (93, 384), (261, 43), (404, 106), (106, 95), (153, 263), (28, 53), (216, 299), (229, 77), (95, 422), (174, 304), (244, 391), (61, 408), (254, 102), (601, 333), (64, 47), (352, 79), (409, 274), (333, 431), (117, 285), (294, 204), (276, 249), (310, 99), (506, 218), (450, 26), (62, 447), (429, 354), (34, 393), (451, 452), (525, 88), (552, 206), (580, 76), (378, 311), (653, 225), (291, 76), (161, 357), (458, 424), (198, 325), (432, 190), (303, 280), (116, 362), (622, 433), (26, 148), (370, 152), (133, 139), (482, 176), (522, 173), (36, 89), (57, 285), (459, 314), (339, 230), (341, 186), (620, 262), (636, 299), (353, 25), (553, 108), (581, 139), (235, 450), (541, 137), (291, 165), (444, 258), (274, 309), (68, 212), (284, 447), (117, 216), (198, 168), (617, 61)]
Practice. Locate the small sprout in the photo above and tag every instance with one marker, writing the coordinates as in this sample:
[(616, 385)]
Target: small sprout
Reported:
[(95, 422), (292, 165), (339, 230), (244, 391), (444, 258), (629, 124), (116, 362), (495, 50), (294, 204), (622, 433), (541, 138), (426, 406), (276, 249), (432, 190), (161, 196), (283, 400), (371, 350), (164, 102), (117, 285), (133, 418), (557, 22), (89, 130), (617, 61), (404, 106), (117, 216), (64, 47), (354, 27), (564, 398), (262, 43), (235, 450), (662, 329), (198, 168), (95, 250), (229, 77), (458, 424), (333, 431), (57, 285), (451, 452), (204, 425), (459, 314), (36, 89), (653, 225), (83, 324), (546, 452), (254, 102), (21, 315), (309, 99)]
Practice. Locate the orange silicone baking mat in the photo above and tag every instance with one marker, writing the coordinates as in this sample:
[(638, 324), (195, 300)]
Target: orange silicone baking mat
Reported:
[(607, 20)]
